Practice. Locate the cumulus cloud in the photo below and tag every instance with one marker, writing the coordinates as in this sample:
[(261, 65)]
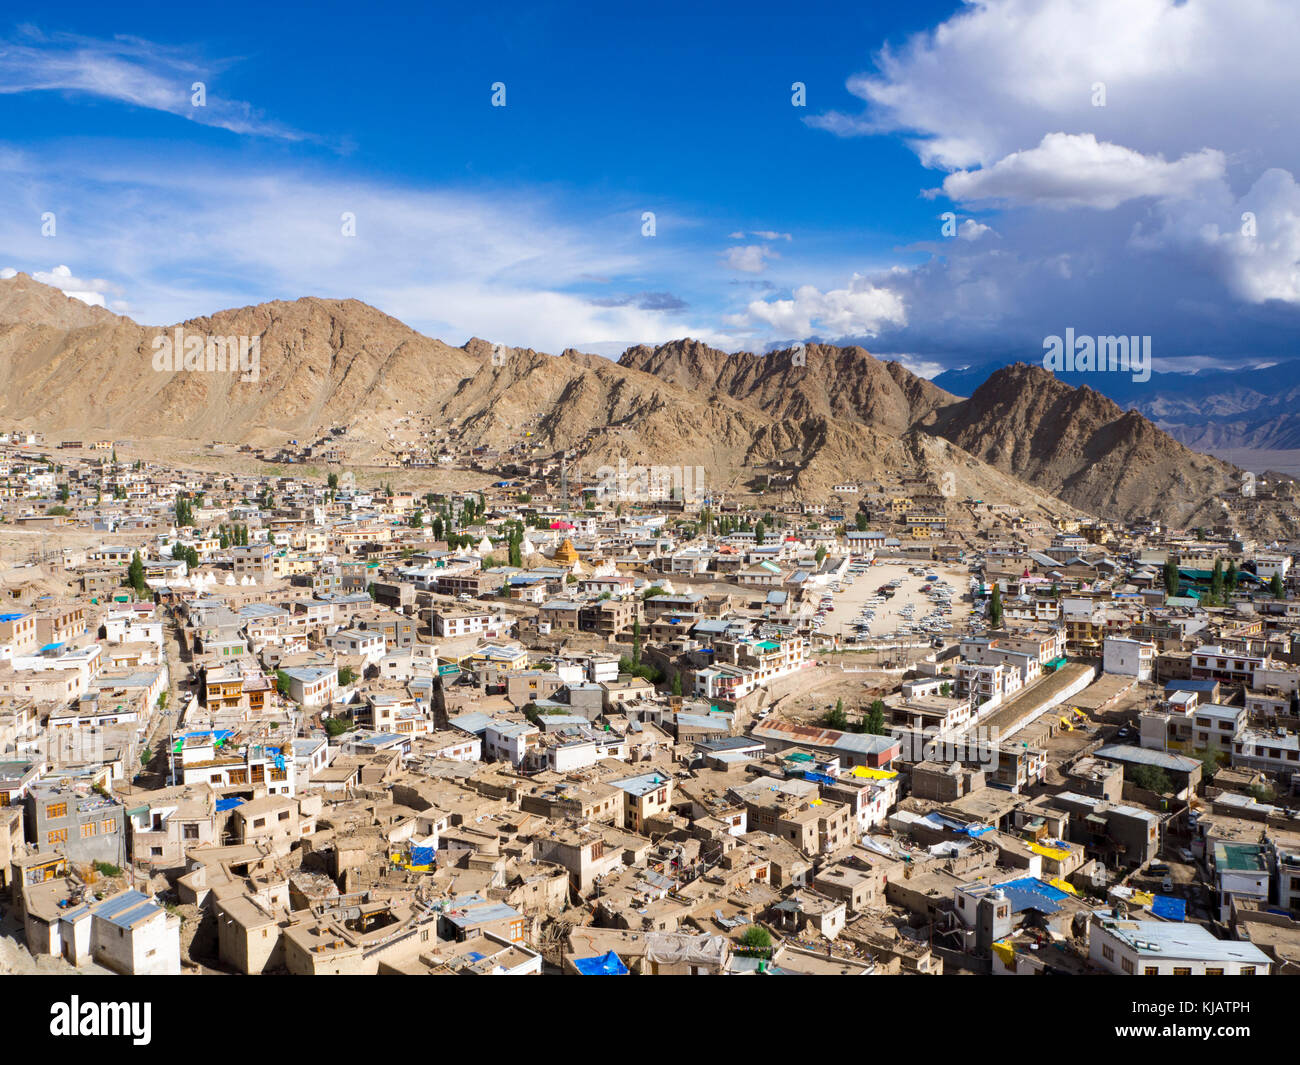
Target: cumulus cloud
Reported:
[(749, 259), (972, 230), (1253, 242), (1077, 170), (94, 292), (1115, 139), (998, 74), (862, 308)]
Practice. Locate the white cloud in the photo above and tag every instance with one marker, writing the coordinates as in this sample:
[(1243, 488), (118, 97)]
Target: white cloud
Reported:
[(861, 309), (998, 74), (762, 234), (130, 71), (926, 368), (1077, 170), (749, 259), (188, 241), (94, 292), (1253, 242), (1145, 232), (972, 230)]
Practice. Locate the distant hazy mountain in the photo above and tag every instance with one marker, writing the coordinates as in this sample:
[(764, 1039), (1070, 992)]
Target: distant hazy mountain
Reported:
[(1249, 407)]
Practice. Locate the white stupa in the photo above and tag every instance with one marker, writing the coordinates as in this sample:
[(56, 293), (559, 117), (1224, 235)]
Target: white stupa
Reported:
[(485, 546)]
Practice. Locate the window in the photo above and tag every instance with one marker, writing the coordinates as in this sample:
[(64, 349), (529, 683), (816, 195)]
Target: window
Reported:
[(56, 809), (190, 831), (1126, 965), (59, 835), (1213, 972), (1246, 970), (88, 830), (260, 822), (1182, 970), (1108, 952), (1151, 970)]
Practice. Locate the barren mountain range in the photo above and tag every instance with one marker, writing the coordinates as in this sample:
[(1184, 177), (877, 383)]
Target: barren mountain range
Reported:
[(801, 421), (1251, 407)]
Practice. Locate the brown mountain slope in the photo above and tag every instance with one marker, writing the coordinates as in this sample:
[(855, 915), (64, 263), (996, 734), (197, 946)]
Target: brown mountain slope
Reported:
[(1081, 446), (24, 299), (841, 415), (322, 362), (832, 382)]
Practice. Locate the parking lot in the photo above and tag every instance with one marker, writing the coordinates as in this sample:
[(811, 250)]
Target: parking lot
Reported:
[(918, 607)]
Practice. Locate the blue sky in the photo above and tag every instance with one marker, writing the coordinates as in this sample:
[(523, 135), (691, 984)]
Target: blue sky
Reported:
[(773, 223)]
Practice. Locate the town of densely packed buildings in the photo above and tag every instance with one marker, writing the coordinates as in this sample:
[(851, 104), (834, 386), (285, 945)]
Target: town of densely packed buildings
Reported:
[(288, 723)]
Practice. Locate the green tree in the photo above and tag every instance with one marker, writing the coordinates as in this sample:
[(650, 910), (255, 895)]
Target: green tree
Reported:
[(346, 676), (636, 642), (760, 533), (995, 607), (677, 684), (282, 683), (1276, 588), (756, 937), (876, 718), (836, 718), (821, 555), (1171, 575), (135, 575), (1150, 778), (1230, 578)]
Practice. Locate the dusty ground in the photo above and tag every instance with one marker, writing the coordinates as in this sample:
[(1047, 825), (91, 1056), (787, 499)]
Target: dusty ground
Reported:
[(808, 694)]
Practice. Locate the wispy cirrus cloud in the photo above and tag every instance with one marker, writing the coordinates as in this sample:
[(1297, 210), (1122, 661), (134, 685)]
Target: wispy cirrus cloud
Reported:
[(131, 71), (183, 242)]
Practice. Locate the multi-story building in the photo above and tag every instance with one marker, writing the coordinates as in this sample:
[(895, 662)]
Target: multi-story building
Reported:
[(1170, 948)]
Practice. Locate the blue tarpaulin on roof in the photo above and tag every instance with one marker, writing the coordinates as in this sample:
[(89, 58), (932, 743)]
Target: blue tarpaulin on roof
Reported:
[(1027, 899), (1170, 908), (1032, 883), (422, 855), (607, 964), (228, 804)]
